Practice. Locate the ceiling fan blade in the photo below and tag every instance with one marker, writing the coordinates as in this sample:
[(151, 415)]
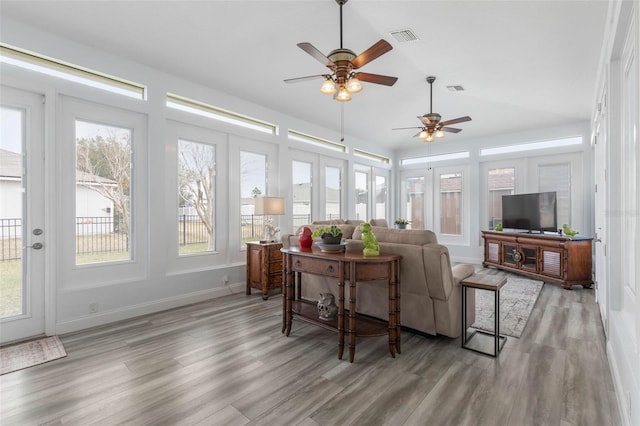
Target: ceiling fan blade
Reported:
[(455, 120), (450, 130), (299, 79), (375, 51), (417, 134), (376, 78), (311, 50), (405, 128)]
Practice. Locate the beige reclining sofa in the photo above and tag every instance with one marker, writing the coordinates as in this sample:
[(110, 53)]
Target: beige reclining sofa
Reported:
[(430, 298)]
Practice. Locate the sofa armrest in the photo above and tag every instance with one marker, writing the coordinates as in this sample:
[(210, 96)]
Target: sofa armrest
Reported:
[(289, 240), (462, 271)]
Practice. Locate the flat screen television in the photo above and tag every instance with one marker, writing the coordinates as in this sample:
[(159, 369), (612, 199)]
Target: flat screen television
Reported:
[(530, 212)]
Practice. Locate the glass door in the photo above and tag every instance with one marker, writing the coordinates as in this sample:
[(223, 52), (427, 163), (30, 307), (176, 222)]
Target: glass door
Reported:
[(22, 234)]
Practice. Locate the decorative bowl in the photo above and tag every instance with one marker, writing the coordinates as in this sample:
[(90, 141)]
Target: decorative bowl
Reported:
[(332, 248)]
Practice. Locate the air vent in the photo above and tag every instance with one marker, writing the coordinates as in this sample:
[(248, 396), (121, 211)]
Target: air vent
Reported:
[(455, 88), (404, 36)]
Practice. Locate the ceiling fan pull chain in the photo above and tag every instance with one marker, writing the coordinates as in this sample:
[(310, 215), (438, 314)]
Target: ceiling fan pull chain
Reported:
[(342, 122)]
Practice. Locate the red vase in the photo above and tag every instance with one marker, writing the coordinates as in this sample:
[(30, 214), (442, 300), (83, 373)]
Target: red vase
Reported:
[(304, 237)]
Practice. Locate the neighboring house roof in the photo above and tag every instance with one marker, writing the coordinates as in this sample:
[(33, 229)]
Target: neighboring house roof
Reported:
[(11, 168), (10, 164)]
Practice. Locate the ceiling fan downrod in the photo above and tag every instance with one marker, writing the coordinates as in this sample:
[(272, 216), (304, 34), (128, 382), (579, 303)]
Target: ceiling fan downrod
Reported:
[(341, 3), (430, 80)]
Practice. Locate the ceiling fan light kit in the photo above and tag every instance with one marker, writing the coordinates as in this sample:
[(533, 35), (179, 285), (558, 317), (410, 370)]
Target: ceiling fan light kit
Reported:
[(344, 80)]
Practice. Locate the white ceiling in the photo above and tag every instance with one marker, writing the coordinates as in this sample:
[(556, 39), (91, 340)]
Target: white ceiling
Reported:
[(523, 64)]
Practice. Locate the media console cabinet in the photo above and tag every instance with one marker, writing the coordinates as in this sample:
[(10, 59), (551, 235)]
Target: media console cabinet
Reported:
[(551, 258)]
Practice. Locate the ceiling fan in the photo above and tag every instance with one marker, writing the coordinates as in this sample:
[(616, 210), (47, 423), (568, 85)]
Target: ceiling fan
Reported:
[(343, 80), (431, 124)]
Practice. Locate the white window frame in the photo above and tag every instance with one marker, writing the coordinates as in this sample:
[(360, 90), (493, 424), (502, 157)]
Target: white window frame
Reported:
[(237, 144), (520, 171), (428, 208), (464, 237), (96, 274), (176, 263)]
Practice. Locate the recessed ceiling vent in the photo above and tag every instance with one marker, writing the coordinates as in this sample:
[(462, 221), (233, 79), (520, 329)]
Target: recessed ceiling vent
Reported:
[(404, 36), (456, 88)]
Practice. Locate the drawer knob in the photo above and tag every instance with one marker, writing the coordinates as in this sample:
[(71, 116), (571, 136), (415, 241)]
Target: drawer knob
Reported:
[(330, 268)]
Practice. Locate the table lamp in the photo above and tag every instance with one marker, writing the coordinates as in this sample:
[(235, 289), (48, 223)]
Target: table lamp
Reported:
[(269, 206)]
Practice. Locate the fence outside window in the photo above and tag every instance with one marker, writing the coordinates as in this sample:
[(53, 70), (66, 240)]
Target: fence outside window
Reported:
[(101, 234)]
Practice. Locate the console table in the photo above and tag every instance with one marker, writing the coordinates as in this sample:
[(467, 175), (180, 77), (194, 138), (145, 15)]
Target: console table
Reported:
[(351, 267), (552, 258)]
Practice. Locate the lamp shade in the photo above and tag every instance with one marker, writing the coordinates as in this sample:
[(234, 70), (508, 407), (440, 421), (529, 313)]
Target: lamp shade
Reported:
[(269, 205)]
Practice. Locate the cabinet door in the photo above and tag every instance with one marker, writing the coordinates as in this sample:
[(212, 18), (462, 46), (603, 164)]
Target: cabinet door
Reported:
[(510, 254), (492, 252), (552, 262), (254, 260), (529, 261)]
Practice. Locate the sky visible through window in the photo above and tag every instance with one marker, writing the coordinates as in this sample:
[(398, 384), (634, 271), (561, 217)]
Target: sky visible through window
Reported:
[(10, 129)]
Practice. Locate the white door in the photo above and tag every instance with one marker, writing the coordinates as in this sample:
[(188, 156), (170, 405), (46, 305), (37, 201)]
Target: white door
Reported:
[(22, 233), (600, 245)]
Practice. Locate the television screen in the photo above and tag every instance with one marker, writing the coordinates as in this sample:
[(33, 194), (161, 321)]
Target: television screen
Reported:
[(530, 212)]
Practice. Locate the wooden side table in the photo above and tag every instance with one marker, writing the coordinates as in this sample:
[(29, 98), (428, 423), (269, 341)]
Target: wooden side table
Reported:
[(483, 282), (264, 267)]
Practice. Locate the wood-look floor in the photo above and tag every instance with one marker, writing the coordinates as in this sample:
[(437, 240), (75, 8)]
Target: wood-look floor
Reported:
[(226, 362)]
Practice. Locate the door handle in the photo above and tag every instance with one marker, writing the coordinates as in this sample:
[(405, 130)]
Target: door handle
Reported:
[(36, 246)]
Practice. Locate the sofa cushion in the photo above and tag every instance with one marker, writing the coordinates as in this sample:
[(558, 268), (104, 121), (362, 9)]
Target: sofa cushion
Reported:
[(402, 236), (379, 222), (328, 222)]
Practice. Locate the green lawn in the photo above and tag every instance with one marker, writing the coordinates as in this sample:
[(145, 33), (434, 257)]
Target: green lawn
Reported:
[(10, 288), (11, 275)]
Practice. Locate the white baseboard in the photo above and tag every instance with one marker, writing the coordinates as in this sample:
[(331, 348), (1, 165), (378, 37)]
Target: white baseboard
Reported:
[(133, 311), (617, 384)]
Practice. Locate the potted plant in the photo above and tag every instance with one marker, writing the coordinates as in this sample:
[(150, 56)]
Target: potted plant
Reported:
[(401, 223), (330, 234)]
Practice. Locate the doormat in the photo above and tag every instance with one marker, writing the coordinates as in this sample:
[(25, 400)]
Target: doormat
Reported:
[(28, 354), (517, 299)]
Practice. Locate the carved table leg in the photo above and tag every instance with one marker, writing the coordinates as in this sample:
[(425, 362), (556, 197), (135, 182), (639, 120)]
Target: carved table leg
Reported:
[(341, 310), (392, 313), (352, 311)]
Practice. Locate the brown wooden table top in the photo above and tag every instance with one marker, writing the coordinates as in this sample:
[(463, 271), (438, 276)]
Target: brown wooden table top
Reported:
[(485, 281), (343, 256)]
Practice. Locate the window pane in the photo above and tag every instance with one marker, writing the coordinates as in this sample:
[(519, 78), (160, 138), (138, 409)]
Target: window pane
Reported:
[(196, 197), (301, 193), (557, 177), (501, 182), (13, 282), (103, 193), (451, 203), (381, 198), (361, 195), (253, 183), (415, 202), (333, 192)]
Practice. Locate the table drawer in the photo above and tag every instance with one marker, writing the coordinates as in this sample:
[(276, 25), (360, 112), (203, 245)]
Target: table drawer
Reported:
[(327, 268), (274, 252), (275, 267), (275, 279)]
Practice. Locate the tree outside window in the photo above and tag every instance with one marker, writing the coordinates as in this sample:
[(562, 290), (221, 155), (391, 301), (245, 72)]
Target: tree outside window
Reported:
[(196, 179)]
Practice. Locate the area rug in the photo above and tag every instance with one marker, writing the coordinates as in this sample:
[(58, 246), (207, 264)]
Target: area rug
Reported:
[(28, 354), (517, 299)]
